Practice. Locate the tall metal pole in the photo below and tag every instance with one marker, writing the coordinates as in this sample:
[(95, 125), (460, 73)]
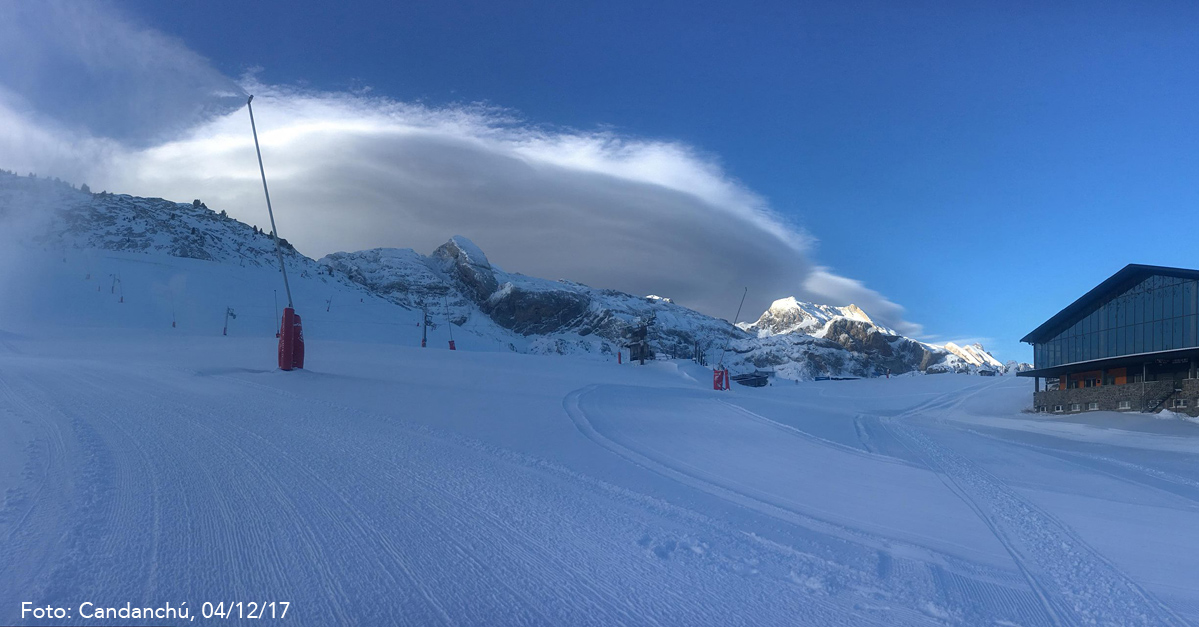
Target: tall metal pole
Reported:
[(271, 212), (735, 319)]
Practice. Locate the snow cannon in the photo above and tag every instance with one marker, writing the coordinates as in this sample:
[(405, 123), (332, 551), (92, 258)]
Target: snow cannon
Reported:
[(291, 341)]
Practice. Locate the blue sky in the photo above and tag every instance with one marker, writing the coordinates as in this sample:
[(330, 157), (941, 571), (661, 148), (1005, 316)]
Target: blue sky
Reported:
[(980, 165)]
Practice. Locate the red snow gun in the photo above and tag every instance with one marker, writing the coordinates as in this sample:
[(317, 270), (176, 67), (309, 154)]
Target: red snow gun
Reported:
[(291, 335), (291, 341)]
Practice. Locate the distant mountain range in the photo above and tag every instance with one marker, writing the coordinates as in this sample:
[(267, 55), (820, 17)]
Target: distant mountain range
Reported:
[(457, 284)]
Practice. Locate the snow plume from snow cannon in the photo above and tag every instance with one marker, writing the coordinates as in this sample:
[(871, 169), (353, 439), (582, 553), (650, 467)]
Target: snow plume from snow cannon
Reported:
[(28, 205), (90, 69)]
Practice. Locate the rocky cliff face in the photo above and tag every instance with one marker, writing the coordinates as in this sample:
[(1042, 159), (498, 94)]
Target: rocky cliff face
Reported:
[(890, 352), (793, 339), (571, 317), (464, 261)]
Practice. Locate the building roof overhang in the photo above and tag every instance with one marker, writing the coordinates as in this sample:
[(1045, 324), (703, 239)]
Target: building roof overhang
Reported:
[(1182, 355), (1126, 277)]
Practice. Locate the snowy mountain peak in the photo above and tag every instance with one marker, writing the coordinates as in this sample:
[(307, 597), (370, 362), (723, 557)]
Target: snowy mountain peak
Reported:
[(467, 250), (789, 315), (462, 258), (974, 355)]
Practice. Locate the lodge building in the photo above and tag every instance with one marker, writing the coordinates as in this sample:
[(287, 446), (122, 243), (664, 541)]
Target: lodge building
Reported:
[(1130, 344)]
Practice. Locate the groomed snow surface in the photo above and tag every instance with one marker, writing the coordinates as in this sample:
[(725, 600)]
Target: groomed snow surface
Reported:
[(387, 484)]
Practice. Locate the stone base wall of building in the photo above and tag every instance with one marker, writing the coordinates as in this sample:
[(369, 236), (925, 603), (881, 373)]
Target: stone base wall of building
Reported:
[(1139, 397)]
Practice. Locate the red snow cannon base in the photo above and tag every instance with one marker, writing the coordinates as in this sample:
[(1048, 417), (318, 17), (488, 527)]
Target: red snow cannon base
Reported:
[(291, 341), (720, 379)]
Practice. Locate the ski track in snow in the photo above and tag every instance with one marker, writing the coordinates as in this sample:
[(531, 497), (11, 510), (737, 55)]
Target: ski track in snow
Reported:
[(957, 595), (1077, 585), (185, 491)]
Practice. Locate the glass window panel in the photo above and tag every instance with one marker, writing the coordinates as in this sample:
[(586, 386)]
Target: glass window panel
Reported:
[(1138, 338), (1167, 334), (1177, 339), (1157, 304), (1110, 339), (1176, 310), (1138, 310), (1119, 335), (1157, 335), (1188, 331), (1188, 298)]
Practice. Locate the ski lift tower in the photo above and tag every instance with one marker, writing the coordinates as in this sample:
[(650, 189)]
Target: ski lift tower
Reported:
[(638, 340), (291, 334)]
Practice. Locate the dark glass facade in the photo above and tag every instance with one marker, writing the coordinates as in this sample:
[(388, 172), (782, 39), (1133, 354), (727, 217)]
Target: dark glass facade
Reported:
[(1157, 314)]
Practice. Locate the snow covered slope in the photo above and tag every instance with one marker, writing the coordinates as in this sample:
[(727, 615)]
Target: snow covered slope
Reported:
[(392, 485)]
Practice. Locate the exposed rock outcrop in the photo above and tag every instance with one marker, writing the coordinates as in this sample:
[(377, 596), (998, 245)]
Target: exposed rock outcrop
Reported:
[(463, 260)]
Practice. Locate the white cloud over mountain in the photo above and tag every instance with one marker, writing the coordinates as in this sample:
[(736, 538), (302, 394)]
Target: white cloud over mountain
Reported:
[(348, 171)]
